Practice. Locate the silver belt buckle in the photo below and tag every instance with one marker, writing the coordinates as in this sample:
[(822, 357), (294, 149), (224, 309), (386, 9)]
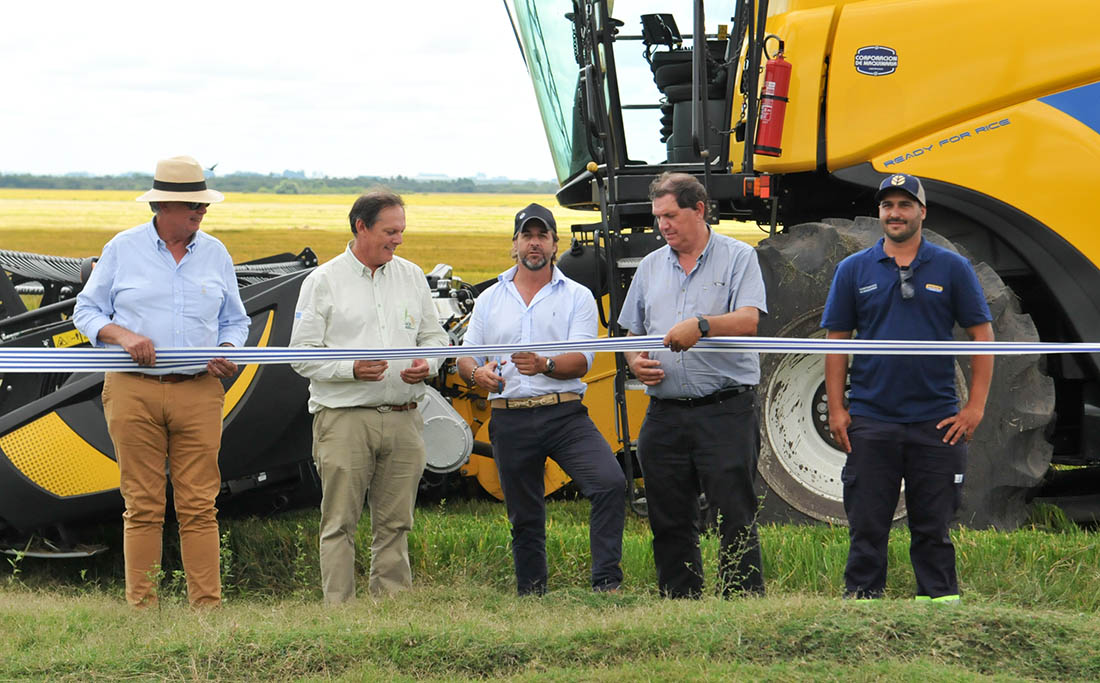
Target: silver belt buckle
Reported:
[(383, 409)]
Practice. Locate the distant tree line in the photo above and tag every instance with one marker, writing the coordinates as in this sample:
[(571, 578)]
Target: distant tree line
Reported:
[(281, 184)]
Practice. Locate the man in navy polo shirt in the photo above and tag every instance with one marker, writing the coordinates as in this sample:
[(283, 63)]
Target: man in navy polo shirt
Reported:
[(903, 421)]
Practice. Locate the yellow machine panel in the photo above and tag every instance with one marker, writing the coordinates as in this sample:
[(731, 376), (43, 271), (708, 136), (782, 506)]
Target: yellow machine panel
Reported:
[(48, 452), (950, 67), (806, 35), (985, 154)]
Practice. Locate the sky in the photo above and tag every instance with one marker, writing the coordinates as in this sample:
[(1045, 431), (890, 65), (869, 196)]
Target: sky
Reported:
[(330, 88)]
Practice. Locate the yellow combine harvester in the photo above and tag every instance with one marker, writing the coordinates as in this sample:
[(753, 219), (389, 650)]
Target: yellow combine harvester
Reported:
[(995, 105), (791, 112)]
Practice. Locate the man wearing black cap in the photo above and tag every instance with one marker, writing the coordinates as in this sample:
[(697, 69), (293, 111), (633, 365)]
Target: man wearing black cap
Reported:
[(903, 421), (537, 411)]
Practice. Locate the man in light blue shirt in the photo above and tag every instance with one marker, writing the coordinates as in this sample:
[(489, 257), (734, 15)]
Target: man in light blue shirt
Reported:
[(166, 284), (537, 412), (701, 425)]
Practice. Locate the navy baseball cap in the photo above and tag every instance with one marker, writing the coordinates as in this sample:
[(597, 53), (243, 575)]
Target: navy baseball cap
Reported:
[(902, 181), (536, 212)]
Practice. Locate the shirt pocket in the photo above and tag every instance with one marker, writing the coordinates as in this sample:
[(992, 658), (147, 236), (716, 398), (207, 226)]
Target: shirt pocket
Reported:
[(712, 297), (204, 301)]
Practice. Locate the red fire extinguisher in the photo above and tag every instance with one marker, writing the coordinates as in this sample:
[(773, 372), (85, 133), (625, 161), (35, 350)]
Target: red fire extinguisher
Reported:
[(773, 105)]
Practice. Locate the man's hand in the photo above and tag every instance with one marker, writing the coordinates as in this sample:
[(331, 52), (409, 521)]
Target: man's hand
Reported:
[(487, 377), (369, 370), (140, 348), (417, 372), (683, 335), (647, 370), (839, 421), (962, 426), (529, 363), (221, 368)]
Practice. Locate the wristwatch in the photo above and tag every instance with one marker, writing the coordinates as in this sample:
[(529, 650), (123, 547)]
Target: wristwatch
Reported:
[(549, 366), (704, 326)]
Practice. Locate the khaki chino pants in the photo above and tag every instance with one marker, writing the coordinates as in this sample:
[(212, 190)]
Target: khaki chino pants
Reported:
[(362, 453), (179, 425)]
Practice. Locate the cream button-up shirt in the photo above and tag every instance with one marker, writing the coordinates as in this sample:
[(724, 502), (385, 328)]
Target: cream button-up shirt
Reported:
[(342, 304)]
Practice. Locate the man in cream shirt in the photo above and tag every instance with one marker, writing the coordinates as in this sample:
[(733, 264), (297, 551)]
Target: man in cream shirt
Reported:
[(367, 432)]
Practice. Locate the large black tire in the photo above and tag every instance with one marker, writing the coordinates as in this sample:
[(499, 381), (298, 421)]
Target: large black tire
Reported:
[(799, 465)]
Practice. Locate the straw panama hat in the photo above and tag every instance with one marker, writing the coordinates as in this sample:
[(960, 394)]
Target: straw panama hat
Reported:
[(180, 179)]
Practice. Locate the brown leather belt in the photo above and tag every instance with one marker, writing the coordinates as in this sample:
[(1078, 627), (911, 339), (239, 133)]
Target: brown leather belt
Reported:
[(535, 401), (393, 409), (170, 378)]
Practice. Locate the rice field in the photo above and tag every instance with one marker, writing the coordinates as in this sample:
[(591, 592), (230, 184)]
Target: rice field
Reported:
[(469, 231)]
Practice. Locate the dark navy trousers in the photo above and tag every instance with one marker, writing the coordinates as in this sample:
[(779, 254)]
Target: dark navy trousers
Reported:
[(682, 448), (883, 454), (523, 438)]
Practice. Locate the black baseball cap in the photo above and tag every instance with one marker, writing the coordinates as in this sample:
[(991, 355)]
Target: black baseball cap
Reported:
[(535, 212), (905, 182)]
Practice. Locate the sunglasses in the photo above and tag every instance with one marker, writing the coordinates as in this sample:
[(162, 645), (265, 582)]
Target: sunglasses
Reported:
[(195, 206), (904, 277)]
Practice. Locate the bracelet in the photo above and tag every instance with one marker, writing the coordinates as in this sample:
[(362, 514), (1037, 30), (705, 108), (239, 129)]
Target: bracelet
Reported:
[(473, 373)]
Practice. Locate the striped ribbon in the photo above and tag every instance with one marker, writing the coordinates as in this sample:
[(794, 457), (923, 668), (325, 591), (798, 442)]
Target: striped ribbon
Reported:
[(172, 359)]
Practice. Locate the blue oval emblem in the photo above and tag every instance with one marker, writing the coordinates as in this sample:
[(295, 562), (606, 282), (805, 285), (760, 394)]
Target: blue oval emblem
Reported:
[(876, 60)]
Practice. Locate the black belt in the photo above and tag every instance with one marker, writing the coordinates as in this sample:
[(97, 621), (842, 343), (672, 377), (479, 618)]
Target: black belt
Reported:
[(707, 400)]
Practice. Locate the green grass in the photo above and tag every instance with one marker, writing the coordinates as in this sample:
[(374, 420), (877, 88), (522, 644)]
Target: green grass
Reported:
[(1029, 611)]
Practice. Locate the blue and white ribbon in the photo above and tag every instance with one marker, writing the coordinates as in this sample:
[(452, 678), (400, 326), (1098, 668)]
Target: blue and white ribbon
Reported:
[(175, 359)]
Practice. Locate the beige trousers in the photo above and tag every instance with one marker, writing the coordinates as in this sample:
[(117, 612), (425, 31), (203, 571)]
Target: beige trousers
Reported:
[(363, 453), (155, 425)]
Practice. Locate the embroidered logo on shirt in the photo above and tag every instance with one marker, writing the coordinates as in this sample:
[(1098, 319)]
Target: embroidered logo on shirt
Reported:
[(868, 288), (933, 288)]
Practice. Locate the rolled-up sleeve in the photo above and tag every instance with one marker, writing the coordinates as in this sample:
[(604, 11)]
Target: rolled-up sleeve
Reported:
[(584, 323), (94, 305), (311, 319)]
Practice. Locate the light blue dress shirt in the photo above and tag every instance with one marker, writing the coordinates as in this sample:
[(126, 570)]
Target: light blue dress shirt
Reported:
[(137, 285), (726, 277), (561, 310)]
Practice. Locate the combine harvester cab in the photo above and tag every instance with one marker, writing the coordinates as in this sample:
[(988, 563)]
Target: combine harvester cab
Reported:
[(791, 112)]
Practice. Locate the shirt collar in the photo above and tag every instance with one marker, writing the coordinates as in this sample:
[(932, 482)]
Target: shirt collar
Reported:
[(161, 244), (922, 256), (359, 268), (674, 258), (556, 276)]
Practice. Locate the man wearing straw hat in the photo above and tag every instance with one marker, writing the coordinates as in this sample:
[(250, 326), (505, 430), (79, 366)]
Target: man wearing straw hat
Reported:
[(167, 284)]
